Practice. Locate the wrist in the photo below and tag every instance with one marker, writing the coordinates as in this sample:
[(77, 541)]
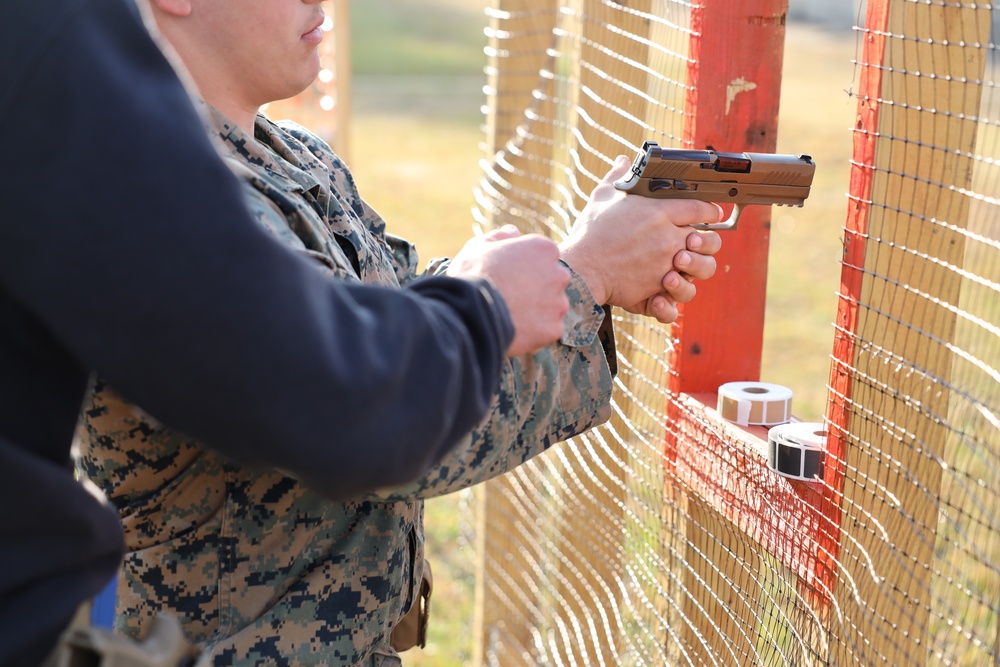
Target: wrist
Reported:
[(592, 274)]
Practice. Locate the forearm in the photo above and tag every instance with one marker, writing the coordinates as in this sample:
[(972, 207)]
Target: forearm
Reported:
[(541, 400)]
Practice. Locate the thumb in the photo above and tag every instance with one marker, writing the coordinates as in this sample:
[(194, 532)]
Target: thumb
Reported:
[(618, 170), (505, 232)]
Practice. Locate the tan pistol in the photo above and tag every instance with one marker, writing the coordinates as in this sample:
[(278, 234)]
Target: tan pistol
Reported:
[(739, 179)]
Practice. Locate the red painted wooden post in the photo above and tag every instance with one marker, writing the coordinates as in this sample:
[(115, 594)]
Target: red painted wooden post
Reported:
[(735, 79), (852, 275)]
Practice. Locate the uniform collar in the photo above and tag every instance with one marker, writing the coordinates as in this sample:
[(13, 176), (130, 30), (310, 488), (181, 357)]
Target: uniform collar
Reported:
[(271, 149)]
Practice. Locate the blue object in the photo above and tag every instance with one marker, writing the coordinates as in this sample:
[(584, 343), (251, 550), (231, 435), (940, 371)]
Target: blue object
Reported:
[(102, 614)]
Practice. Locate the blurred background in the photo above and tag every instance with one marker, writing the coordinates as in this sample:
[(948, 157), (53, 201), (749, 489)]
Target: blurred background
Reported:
[(415, 141)]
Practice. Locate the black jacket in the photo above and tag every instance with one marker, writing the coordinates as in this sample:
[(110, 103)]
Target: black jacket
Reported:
[(111, 194)]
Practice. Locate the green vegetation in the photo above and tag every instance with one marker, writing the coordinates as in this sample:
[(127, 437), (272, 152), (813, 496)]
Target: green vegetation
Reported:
[(414, 37)]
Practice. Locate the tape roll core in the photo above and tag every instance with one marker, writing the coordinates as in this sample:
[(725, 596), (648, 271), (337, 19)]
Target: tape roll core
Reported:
[(755, 403)]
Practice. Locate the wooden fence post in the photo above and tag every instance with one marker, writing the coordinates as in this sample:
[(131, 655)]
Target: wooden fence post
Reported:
[(734, 77), (520, 33), (916, 133)]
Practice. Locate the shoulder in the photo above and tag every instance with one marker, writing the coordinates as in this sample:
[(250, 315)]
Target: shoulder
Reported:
[(311, 147)]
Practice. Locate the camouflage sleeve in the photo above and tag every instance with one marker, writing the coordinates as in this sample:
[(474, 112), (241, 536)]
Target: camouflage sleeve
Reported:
[(541, 400), (404, 256), (403, 253)]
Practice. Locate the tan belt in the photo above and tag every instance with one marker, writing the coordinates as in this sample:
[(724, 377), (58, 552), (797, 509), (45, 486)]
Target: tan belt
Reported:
[(412, 628)]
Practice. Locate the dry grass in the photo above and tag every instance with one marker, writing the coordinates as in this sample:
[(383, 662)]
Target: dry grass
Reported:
[(816, 117)]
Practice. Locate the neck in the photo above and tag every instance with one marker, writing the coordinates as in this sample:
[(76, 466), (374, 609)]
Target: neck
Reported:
[(219, 91), (243, 116), (216, 85)]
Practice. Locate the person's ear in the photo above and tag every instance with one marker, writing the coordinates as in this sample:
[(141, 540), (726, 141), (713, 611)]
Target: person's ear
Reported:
[(173, 7)]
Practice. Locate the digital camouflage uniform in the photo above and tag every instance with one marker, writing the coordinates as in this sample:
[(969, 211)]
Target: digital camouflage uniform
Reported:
[(260, 569)]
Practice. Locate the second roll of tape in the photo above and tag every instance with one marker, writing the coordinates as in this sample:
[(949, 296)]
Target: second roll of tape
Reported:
[(755, 403), (797, 450)]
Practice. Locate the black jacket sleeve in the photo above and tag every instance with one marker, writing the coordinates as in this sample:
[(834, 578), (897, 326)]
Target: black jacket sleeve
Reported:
[(117, 199)]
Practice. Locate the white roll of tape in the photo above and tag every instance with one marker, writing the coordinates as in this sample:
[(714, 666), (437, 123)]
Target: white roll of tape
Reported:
[(755, 403), (797, 450)]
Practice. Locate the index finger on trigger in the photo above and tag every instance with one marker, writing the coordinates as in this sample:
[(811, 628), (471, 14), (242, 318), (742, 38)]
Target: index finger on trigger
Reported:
[(686, 212)]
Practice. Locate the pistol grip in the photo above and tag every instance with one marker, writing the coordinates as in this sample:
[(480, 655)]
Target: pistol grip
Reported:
[(730, 223)]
